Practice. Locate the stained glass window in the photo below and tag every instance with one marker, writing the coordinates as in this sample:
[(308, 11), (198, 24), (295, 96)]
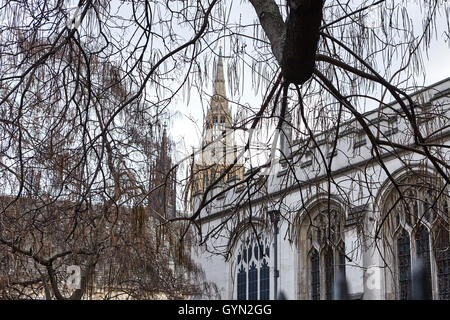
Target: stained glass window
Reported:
[(315, 280), (423, 251), (404, 265)]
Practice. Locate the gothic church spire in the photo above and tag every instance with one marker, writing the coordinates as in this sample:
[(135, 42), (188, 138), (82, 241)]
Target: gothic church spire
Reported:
[(219, 82)]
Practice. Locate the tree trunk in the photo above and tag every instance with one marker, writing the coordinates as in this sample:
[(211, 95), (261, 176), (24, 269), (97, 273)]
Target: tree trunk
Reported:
[(294, 43), (302, 36)]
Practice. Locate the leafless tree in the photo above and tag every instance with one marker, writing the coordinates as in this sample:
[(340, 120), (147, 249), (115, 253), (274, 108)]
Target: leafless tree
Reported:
[(85, 92)]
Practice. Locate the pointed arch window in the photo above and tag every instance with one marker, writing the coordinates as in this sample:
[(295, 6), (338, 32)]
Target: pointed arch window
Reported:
[(422, 225), (404, 265), (326, 248), (253, 271)]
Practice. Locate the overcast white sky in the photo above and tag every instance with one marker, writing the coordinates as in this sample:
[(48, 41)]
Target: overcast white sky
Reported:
[(186, 127)]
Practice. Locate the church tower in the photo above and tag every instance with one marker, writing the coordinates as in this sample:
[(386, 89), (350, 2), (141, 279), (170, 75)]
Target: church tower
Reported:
[(218, 150)]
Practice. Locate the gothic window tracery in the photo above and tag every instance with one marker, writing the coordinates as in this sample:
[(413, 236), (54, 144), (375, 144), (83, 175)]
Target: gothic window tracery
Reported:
[(326, 248), (253, 267), (419, 227)]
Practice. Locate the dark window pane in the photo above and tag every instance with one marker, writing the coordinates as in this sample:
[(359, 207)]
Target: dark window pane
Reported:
[(242, 284), (443, 263), (423, 251), (315, 281), (264, 281), (329, 274), (404, 265), (253, 282)]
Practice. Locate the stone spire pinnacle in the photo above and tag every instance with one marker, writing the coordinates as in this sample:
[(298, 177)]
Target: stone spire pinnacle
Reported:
[(219, 82), (218, 113)]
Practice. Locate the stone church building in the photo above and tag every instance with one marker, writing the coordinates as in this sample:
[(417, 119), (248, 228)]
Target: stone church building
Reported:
[(295, 230), (218, 150)]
